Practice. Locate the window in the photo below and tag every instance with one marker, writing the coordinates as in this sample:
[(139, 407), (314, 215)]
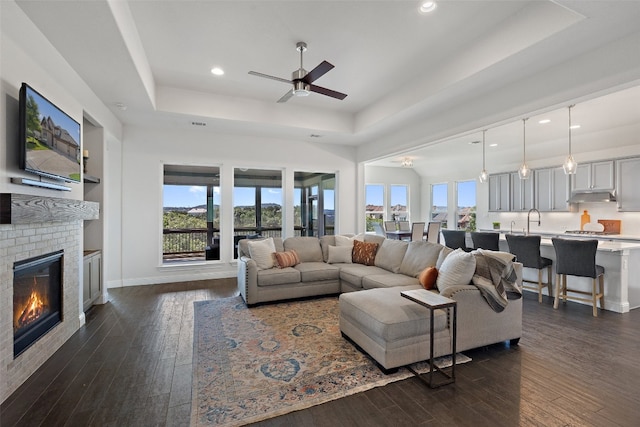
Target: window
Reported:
[(439, 203), (374, 200), (190, 213), (466, 206), (257, 203), (399, 202), (315, 193)]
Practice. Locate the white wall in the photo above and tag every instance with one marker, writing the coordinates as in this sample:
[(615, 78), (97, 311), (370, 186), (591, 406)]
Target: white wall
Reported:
[(146, 150)]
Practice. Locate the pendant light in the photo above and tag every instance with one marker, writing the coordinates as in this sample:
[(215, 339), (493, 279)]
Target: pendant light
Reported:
[(484, 176), (570, 166), (524, 172)]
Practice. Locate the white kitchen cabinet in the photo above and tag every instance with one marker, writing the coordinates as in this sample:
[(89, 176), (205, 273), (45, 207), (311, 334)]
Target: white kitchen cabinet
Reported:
[(594, 176), (551, 190), (628, 184), (499, 193), (92, 278), (521, 193)]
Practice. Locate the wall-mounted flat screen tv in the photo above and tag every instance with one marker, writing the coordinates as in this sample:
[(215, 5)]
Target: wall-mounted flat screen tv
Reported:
[(49, 138)]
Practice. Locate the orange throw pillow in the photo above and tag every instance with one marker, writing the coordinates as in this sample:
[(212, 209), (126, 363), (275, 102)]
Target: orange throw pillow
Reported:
[(287, 259), (428, 277), (364, 253)]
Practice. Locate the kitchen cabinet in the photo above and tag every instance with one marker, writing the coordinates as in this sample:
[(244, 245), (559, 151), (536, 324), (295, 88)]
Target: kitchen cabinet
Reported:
[(627, 180), (551, 190), (499, 192), (92, 278), (521, 193), (594, 176)]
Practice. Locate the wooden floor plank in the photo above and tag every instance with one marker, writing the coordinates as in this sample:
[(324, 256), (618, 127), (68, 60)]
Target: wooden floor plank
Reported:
[(131, 365)]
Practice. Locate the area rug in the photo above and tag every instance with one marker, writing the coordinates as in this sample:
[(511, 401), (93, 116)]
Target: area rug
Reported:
[(251, 364)]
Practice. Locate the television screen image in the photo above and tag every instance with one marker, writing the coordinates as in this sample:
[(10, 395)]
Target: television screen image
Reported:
[(50, 138)]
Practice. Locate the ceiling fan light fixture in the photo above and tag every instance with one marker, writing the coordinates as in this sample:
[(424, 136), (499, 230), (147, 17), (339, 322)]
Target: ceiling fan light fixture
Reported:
[(300, 89)]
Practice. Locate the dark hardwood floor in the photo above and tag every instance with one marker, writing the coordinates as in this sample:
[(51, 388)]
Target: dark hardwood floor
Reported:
[(130, 365)]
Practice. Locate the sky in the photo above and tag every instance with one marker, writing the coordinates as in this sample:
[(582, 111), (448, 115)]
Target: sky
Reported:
[(466, 195), (177, 196)]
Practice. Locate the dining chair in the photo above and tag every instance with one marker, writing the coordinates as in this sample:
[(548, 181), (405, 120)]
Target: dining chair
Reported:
[(485, 240), (417, 231), (389, 226), (575, 257), (527, 251), (404, 226), (433, 232), (455, 239)]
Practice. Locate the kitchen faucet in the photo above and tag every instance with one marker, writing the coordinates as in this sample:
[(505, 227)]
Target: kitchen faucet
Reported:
[(529, 218), (511, 226)]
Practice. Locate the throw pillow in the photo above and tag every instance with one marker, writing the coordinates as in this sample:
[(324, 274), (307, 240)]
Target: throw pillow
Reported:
[(340, 254), (287, 259), (364, 253), (261, 251), (428, 277), (344, 241), (456, 269)]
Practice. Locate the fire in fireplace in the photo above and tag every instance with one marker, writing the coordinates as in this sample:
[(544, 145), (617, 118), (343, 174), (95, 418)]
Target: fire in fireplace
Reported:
[(37, 298)]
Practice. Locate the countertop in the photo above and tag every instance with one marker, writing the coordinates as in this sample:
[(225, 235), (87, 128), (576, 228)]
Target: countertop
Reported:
[(607, 243)]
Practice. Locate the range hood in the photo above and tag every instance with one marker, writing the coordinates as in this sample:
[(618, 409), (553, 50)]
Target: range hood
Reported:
[(590, 196)]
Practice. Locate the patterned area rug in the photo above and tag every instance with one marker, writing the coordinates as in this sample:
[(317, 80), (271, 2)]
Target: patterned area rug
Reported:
[(256, 363)]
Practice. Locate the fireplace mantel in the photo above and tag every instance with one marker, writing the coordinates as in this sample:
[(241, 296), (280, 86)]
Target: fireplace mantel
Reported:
[(26, 209)]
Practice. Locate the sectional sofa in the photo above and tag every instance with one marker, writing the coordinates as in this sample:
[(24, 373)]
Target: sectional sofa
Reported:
[(373, 314)]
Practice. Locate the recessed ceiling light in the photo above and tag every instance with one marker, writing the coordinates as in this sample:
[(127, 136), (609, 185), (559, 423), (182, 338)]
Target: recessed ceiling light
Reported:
[(493, 145), (544, 121), (216, 71), (121, 106), (575, 127), (428, 6)]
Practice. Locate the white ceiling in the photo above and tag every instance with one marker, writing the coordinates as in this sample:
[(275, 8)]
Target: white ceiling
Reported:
[(397, 66)]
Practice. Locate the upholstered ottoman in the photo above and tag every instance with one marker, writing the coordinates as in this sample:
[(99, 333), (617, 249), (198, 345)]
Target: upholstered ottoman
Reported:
[(390, 328)]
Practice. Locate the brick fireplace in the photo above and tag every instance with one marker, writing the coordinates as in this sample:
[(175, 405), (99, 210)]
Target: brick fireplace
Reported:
[(31, 227)]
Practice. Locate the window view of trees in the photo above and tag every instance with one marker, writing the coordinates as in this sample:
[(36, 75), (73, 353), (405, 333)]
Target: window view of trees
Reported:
[(374, 210), (191, 213), (439, 200)]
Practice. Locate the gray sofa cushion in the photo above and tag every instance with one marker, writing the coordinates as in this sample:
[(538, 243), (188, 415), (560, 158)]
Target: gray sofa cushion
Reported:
[(316, 271), (353, 273), (308, 248), (329, 240), (390, 254), (278, 276), (388, 280), (374, 238), (419, 256), (384, 313)]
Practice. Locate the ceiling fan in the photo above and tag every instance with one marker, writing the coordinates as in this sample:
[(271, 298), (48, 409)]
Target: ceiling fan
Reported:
[(302, 80)]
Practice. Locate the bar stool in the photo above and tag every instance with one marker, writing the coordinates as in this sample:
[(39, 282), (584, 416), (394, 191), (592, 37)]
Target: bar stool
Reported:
[(485, 240), (455, 239), (578, 258), (527, 251)]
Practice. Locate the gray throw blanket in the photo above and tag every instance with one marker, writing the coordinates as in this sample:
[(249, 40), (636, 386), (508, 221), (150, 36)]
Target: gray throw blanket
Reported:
[(496, 278)]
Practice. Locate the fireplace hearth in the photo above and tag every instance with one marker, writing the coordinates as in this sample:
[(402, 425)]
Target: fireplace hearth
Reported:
[(37, 298)]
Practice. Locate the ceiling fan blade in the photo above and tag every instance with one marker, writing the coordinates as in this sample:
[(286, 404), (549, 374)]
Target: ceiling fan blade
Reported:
[(267, 76), (317, 72), (328, 92), (286, 96)]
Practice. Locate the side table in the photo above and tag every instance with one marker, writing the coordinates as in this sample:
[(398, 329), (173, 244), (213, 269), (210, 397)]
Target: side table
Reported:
[(433, 302)]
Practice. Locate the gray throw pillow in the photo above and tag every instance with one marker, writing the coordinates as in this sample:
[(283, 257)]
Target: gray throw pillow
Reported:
[(390, 255), (419, 256)]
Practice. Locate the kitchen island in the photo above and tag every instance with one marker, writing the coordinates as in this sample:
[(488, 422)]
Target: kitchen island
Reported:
[(620, 258)]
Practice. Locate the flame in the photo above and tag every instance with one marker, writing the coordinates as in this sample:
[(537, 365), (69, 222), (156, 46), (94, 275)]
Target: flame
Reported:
[(32, 310)]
